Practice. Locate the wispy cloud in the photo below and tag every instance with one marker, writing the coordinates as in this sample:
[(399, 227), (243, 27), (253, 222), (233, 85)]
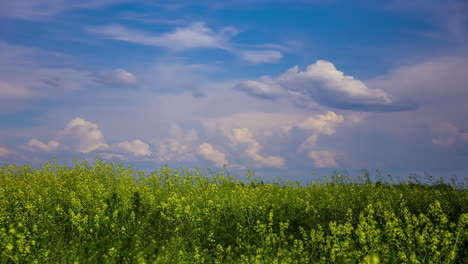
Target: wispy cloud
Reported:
[(260, 56), (195, 35), (43, 9)]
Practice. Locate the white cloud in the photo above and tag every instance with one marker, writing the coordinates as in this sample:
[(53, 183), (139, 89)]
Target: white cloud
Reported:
[(196, 35), (323, 83), (261, 56), (245, 137), (35, 145), (83, 136), (112, 156), (137, 147), (179, 146), (266, 88), (117, 77), (323, 159), (323, 124), (208, 152)]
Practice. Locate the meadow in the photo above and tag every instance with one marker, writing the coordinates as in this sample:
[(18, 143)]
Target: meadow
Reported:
[(109, 213)]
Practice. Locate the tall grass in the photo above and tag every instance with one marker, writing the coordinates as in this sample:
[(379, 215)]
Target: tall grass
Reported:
[(107, 214)]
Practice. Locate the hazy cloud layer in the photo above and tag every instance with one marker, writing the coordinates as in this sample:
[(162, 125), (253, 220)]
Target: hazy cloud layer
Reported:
[(42, 9), (323, 83)]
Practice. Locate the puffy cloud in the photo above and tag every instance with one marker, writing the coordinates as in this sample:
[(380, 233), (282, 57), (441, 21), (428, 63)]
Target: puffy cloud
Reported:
[(260, 56), (117, 77), (322, 124), (196, 35), (210, 153), (323, 83), (178, 146), (323, 159), (82, 136), (35, 145), (137, 147), (245, 137)]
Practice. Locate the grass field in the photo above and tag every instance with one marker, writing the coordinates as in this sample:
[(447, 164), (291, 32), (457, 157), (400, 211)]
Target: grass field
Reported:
[(107, 213)]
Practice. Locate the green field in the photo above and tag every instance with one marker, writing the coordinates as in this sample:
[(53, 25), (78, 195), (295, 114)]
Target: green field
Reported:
[(107, 213)]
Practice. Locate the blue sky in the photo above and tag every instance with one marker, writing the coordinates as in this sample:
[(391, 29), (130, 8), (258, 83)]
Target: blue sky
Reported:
[(283, 88)]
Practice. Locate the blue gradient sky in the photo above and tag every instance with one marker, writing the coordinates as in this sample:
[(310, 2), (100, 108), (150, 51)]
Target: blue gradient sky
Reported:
[(283, 88)]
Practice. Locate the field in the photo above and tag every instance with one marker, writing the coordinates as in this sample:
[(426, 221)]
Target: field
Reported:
[(107, 213)]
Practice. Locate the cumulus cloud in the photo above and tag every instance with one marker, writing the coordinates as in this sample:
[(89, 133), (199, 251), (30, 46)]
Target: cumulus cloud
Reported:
[(208, 152), (35, 145), (321, 124), (322, 83), (244, 136), (260, 56), (83, 136), (179, 146), (323, 159), (117, 77), (137, 147)]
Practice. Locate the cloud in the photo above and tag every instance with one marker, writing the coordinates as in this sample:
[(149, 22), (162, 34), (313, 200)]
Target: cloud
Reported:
[(195, 35), (112, 156), (265, 88), (117, 77), (179, 146), (324, 84), (42, 9), (260, 56), (83, 136), (35, 145), (4, 152), (8, 90), (322, 124), (208, 152), (323, 159), (244, 136), (137, 147)]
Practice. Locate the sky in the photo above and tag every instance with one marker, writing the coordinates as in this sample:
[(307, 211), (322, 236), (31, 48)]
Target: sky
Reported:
[(281, 87)]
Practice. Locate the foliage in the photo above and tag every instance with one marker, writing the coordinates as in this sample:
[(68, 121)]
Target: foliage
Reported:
[(107, 213)]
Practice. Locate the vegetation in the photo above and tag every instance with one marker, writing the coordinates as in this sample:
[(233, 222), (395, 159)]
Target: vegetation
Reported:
[(107, 213)]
